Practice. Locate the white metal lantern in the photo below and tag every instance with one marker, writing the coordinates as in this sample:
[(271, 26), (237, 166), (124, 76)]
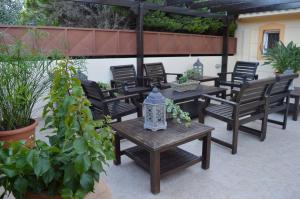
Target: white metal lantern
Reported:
[(198, 69), (154, 108)]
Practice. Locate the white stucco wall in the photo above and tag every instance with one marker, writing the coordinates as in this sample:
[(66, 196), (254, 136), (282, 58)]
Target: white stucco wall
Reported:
[(248, 38), (99, 69)]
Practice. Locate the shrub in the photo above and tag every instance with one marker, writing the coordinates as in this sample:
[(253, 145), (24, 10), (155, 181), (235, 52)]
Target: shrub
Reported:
[(78, 150)]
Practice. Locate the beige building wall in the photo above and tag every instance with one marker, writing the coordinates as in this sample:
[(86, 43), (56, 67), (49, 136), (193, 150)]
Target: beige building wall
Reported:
[(249, 34)]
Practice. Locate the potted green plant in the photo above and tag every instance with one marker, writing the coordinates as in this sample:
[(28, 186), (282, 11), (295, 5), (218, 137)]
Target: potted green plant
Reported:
[(175, 112), (283, 57), (71, 164), (185, 82), (23, 80)]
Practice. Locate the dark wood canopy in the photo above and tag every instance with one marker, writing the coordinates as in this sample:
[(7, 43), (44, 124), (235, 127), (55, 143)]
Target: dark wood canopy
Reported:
[(221, 9)]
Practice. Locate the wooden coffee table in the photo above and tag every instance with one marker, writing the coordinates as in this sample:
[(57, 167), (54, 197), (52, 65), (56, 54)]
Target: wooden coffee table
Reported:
[(158, 152), (190, 99)]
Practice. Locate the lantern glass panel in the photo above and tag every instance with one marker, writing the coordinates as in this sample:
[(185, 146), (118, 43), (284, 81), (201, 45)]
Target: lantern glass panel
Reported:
[(154, 108), (198, 69)]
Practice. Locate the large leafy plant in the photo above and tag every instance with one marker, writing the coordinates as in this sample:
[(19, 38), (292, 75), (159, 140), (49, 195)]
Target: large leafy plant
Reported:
[(77, 151), (283, 57), (23, 80)]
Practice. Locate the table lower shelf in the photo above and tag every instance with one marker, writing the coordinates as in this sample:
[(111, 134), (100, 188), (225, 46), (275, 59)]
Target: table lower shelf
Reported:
[(170, 161)]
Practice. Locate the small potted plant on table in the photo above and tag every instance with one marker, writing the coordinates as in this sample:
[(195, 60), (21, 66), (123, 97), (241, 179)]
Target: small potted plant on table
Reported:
[(70, 165), (184, 83)]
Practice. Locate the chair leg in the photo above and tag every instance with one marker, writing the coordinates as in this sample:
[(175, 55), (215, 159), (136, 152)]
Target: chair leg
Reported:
[(139, 113), (264, 124), (139, 110), (201, 111), (231, 93), (286, 113), (285, 119), (201, 117), (235, 138), (229, 127)]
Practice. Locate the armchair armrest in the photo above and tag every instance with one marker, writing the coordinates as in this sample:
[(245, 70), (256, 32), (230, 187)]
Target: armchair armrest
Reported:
[(209, 97), (223, 76), (111, 92), (177, 74), (245, 76), (152, 79), (227, 73), (124, 84), (114, 82), (120, 98)]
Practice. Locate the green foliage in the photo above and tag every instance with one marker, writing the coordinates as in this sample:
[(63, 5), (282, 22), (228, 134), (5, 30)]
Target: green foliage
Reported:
[(177, 113), (10, 11), (232, 28), (283, 57), (23, 80), (161, 21), (183, 79), (73, 14), (189, 74), (77, 152), (62, 13)]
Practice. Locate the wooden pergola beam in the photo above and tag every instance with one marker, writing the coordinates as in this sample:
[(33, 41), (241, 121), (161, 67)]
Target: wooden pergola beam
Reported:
[(211, 3), (178, 2), (152, 6), (286, 6), (236, 7), (123, 3), (229, 7)]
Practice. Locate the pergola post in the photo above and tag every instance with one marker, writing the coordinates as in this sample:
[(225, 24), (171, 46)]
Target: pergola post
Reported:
[(225, 46), (140, 40)]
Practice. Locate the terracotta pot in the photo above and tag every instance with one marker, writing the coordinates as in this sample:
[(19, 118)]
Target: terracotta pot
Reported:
[(26, 133), (101, 191)]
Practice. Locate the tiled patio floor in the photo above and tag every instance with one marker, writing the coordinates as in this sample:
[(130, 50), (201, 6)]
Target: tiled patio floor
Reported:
[(260, 170)]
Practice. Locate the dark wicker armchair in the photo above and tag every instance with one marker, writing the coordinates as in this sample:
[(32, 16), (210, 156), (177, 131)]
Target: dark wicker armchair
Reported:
[(243, 72), (156, 74), (113, 106), (126, 80), (250, 103), (280, 98)]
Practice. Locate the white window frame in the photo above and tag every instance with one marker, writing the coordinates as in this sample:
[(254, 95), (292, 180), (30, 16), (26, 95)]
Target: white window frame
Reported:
[(266, 39)]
